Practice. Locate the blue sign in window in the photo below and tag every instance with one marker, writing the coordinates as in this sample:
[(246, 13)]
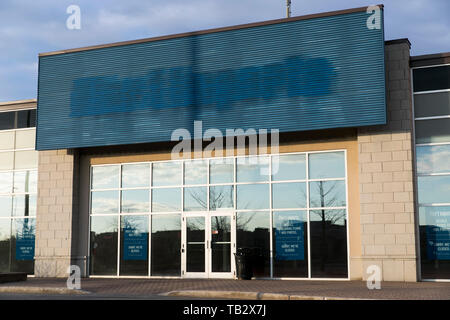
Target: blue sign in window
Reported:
[(135, 244), (438, 235), (25, 242), (289, 241)]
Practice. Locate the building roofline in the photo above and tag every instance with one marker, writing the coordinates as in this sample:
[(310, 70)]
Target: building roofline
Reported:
[(430, 59), (14, 102), (220, 29), (398, 41)]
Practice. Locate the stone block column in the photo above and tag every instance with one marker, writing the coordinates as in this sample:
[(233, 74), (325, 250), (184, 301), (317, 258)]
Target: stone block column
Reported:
[(386, 174), (56, 212)]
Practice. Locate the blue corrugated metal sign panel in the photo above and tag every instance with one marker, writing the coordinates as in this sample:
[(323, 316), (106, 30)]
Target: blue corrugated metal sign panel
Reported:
[(292, 75)]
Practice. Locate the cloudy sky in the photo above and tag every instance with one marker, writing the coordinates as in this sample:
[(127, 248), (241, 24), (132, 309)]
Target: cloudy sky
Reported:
[(28, 27)]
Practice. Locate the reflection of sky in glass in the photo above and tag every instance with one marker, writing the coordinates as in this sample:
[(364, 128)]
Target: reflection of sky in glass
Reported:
[(5, 229), (435, 216), (327, 194), (5, 206), (221, 197), (195, 199), (105, 177), (221, 170), (135, 175), (326, 165), (433, 159), (434, 189), (139, 224), (289, 167), (336, 217), (166, 222), (253, 196), (19, 205), (249, 221), (6, 179), (164, 200), (25, 181), (195, 172), (134, 201), (103, 224), (105, 202), (166, 174), (281, 219), (289, 195), (252, 169)]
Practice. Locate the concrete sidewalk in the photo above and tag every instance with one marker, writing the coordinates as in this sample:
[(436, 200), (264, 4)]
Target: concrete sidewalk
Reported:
[(234, 289)]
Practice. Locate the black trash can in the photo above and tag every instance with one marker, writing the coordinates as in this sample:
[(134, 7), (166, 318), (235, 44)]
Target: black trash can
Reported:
[(244, 263)]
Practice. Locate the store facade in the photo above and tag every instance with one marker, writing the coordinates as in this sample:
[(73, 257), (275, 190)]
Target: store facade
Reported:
[(308, 153)]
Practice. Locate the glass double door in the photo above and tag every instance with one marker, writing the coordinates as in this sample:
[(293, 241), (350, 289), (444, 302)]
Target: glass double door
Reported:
[(208, 245)]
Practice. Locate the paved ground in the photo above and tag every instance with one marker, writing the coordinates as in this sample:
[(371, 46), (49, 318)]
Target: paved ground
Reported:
[(153, 288)]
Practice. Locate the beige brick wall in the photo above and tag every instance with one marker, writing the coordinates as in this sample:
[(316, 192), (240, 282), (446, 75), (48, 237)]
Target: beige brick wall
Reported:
[(55, 207), (386, 178)]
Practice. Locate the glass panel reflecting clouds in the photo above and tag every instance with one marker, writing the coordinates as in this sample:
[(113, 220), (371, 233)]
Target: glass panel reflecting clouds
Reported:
[(24, 205), (105, 202), (166, 174), (289, 167), (195, 172), (135, 201), (221, 197), (5, 206), (434, 189), (253, 196), (103, 259), (135, 175), (6, 180), (433, 159), (327, 194), (221, 170), (25, 181), (289, 195), (166, 199), (195, 199), (105, 177), (326, 165), (432, 131), (252, 169)]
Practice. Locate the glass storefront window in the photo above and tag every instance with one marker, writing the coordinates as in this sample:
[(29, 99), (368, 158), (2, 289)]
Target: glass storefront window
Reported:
[(433, 159), (135, 175), (105, 177), (24, 205), (289, 195), (135, 201), (25, 181), (289, 167), (134, 245), (433, 189), (328, 243), (435, 242), (166, 244), (166, 199), (166, 174), (123, 197), (290, 244), (327, 194), (221, 170), (105, 202), (195, 199), (326, 165), (22, 245), (432, 131), (221, 197), (5, 206), (103, 258), (252, 196), (195, 172), (253, 231), (5, 245), (252, 169), (6, 181)]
